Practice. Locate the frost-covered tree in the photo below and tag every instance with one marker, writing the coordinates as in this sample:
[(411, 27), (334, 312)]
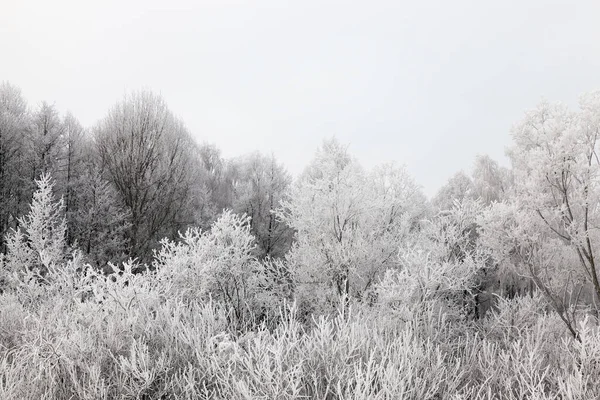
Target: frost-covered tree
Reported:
[(458, 188), (488, 182), (73, 157), (548, 230), (14, 178), (491, 182), (260, 185), (557, 173), (39, 242), (349, 224), (146, 153), (442, 268), (99, 223), (529, 258), (46, 137), (215, 182)]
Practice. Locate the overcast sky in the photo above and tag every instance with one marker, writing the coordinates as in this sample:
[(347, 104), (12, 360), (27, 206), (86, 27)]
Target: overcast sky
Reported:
[(429, 84)]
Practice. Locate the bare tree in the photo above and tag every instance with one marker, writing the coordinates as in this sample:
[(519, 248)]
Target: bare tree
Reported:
[(73, 156), (46, 138), (14, 124), (146, 154)]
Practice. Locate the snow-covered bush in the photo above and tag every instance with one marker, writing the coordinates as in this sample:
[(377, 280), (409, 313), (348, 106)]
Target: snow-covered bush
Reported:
[(218, 265)]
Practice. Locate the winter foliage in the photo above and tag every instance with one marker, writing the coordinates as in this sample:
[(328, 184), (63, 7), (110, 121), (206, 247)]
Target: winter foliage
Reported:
[(136, 264)]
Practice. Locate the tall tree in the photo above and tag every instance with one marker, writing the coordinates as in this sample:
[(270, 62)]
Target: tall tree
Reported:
[(216, 184), (458, 188), (99, 223), (74, 142), (491, 181), (146, 154), (14, 180), (549, 228), (348, 223), (260, 185), (46, 141)]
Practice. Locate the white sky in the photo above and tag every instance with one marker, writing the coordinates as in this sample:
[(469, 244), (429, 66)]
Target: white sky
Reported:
[(429, 84)]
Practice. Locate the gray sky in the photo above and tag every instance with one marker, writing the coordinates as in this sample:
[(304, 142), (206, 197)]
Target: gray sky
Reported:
[(429, 84)]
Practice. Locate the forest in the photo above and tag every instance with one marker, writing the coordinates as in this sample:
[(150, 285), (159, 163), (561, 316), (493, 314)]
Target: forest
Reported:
[(137, 263)]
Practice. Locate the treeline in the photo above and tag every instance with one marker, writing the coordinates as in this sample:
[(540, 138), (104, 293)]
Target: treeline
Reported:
[(338, 231), (133, 178), (122, 276)]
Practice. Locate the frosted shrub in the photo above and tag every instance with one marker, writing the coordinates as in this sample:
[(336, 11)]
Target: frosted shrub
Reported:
[(512, 318), (424, 286), (217, 264), (11, 320), (578, 375), (134, 341)]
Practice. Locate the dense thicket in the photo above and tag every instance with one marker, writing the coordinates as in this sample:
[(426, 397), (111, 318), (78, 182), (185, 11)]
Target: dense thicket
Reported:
[(138, 264)]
